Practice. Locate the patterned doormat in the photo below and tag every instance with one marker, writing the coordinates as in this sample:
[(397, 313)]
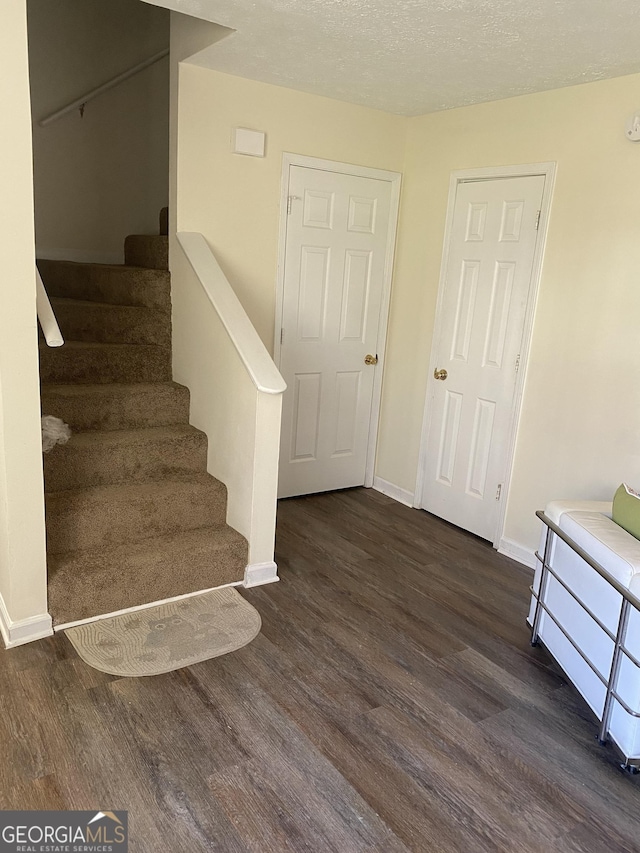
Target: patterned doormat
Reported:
[(169, 636)]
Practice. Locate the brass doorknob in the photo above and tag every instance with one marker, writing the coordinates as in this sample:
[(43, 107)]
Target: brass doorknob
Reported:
[(371, 359), (440, 374)]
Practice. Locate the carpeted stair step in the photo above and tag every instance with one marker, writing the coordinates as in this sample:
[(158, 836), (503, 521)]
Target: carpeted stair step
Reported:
[(117, 285), (83, 584), (132, 516), (106, 516), (81, 320), (117, 406), (125, 456), (145, 250), (83, 362)]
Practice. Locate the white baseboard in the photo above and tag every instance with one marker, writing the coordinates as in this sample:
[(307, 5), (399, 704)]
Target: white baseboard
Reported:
[(25, 630), (517, 552), (258, 574), (403, 496), (83, 256)]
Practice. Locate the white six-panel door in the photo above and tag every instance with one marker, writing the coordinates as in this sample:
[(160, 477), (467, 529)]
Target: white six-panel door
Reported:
[(482, 313), (337, 240)]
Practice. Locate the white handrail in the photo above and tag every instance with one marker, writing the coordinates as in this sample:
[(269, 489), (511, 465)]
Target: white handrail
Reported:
[(47, 318), (110, 84), (253, 353)]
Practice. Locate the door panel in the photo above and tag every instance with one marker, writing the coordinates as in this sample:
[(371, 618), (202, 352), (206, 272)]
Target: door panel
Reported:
[(306, 416), (335, 259), (482, 313)]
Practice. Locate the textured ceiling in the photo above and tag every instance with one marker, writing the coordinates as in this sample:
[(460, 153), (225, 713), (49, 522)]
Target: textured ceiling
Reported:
[(418, 56)]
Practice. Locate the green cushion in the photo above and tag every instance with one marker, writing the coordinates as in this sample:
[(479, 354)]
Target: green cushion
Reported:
[(626, 510)]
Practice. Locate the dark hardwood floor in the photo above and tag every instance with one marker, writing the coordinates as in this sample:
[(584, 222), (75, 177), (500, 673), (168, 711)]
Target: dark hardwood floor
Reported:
[(392, 702)]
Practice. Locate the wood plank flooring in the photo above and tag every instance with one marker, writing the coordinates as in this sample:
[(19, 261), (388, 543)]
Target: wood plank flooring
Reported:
[(391, 703)]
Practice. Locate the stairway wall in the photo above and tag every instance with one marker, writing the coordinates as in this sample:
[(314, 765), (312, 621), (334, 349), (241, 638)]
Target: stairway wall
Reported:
[(23, 602), (243, 426), (104, 176)]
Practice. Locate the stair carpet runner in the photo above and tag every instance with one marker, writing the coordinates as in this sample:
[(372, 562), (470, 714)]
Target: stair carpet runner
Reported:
[(132, 515)]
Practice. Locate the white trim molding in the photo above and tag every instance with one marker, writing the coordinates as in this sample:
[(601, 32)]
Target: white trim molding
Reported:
[(24, 630), (395, 179), (258, 574), (548, 170), (517, 552), (146, 606), (403, 496)]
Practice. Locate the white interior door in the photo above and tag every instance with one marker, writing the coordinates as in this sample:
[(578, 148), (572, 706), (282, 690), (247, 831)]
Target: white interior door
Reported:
[(336, 247), (481, 320)]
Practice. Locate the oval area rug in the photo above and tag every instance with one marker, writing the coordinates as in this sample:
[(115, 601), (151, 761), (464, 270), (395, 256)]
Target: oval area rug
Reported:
[(169, 636)]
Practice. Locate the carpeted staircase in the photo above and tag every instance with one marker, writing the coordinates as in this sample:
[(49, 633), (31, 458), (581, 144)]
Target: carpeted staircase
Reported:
[(132, 515)]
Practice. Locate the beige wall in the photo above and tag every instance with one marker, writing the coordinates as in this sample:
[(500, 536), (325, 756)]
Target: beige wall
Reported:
[(104, 176), (188, 36), (580, 427), (22, 549), (581, 412), (235, 200)]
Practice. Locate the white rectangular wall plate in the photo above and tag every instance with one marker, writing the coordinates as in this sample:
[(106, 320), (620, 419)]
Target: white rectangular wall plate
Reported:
[(250, 142)]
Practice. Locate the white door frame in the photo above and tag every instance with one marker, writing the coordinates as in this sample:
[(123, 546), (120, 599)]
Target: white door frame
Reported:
[(464, 176), (394, 179)]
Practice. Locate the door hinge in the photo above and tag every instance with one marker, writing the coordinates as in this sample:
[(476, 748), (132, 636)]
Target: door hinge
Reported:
[(290, 200), (517, 362), (538, 214), (281, 336), (498, 491)]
